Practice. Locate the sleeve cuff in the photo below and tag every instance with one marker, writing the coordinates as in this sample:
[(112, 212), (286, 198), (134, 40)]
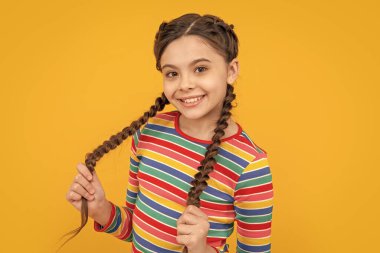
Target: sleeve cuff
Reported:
[(100, 228)]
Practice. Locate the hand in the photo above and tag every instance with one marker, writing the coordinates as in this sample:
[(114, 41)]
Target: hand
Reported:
[(192, 229), (87, 185)]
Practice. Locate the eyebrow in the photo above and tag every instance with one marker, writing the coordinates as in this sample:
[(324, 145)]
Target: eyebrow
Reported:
[(191, 63)]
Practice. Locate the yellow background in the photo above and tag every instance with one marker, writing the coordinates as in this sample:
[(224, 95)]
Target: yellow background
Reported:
[(73, 73)]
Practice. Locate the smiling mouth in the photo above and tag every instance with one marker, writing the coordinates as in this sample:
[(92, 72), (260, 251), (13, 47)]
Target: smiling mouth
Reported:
[(191, 100)]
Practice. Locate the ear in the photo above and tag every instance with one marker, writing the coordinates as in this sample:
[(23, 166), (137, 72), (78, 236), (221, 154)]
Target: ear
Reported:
[(232, 71)]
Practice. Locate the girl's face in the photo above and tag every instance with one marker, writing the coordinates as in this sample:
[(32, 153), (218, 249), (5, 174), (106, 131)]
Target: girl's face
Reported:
[(191, 68)]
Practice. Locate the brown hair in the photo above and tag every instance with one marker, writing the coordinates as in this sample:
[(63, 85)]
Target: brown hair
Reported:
[(222, 38)]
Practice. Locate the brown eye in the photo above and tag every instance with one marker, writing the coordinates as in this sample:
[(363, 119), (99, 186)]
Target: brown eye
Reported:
[(204, 68), (168, 74)]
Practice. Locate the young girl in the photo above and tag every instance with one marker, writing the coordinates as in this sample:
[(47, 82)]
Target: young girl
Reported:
[(193, 171)]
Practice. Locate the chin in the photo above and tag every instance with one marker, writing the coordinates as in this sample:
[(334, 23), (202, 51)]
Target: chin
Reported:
[(193, 114)]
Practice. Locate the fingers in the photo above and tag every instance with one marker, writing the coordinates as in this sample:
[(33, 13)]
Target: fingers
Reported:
[(184, 229), (191, 209), (73, 196), (79, 189), (84, 183), (188, 218), (184, 239), (82, 169)]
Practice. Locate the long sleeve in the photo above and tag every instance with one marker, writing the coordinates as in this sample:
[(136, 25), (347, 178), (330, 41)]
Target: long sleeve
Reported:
[(120, 221), (253, 207)]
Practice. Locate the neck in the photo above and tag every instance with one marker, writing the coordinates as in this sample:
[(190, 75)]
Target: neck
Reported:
[(203, 128)]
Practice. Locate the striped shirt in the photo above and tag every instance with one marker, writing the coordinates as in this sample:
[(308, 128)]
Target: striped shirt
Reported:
[(163, 162)]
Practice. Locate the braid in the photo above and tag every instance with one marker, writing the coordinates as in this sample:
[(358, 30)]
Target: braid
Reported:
[(207, 164), (112, 143)]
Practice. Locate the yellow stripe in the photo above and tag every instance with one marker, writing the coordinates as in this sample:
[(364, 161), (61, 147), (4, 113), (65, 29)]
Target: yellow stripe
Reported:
[(171, 162), (123, 218), (134, 157), (255, 204), (132, 188), (236, 151), (162, 201), (152, 239), (162, 122), (257, 165), (220, 186), (253, 241)]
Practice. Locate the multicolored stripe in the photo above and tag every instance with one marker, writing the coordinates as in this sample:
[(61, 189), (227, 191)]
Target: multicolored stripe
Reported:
[(163, 162)]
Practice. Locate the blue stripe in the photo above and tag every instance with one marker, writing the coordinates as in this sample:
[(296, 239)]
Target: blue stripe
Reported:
[(118, 221), (253, 248), (133, 162), (160, 128), (247, 212), (163, 167), (149, 245), (214, 225), (219, 194), (255, 173), (243, 163), (158, 207), (131, 194)]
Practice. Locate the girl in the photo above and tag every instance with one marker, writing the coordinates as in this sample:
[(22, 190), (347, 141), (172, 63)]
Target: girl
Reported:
[(193, 171)]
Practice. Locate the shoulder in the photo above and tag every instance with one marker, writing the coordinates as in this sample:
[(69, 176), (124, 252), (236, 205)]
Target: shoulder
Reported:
[(158, 122), (248, 147)]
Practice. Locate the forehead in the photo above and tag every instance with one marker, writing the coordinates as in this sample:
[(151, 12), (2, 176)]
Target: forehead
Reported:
[(187, 48)]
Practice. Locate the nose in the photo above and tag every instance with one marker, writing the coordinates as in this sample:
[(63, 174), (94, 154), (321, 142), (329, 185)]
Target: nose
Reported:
[(186, 82)]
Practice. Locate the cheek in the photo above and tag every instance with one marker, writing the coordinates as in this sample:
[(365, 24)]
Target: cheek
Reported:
[(168, 92)]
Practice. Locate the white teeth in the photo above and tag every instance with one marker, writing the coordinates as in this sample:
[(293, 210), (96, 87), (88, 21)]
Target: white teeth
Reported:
[(192, 100)]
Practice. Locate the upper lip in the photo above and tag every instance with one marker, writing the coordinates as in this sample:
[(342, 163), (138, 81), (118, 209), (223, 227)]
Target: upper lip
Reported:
[(195, 96)]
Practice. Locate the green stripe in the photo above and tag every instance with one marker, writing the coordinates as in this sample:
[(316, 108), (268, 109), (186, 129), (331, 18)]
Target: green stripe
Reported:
[(220, 233), (133, 168), (177, 140), (157, 215), (194, 148), (130, 200), (254, 182), (255, 219), (114, 222), (165, 177)]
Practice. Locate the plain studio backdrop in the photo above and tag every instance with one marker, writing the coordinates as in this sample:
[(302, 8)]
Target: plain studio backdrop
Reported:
[(73, 73)]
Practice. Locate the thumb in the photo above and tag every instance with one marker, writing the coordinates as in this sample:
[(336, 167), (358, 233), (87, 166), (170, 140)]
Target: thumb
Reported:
[(95, 180)]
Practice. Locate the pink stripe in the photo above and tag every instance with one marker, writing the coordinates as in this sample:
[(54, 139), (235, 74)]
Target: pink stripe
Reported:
[(254, 234), (247, 148), (133, 181), (165, 116), (153, 231), (194, 164), (219, 214), (170, 153), (162, 193), (222, 179), (255, 197)]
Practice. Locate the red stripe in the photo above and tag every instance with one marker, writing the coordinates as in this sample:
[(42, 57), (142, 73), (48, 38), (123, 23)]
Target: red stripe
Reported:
[(163, 185), (155, 223), (255, 189), (130, 205), (134, 249), (254, 226), (216, 206), (132, 174), (187, 153)]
